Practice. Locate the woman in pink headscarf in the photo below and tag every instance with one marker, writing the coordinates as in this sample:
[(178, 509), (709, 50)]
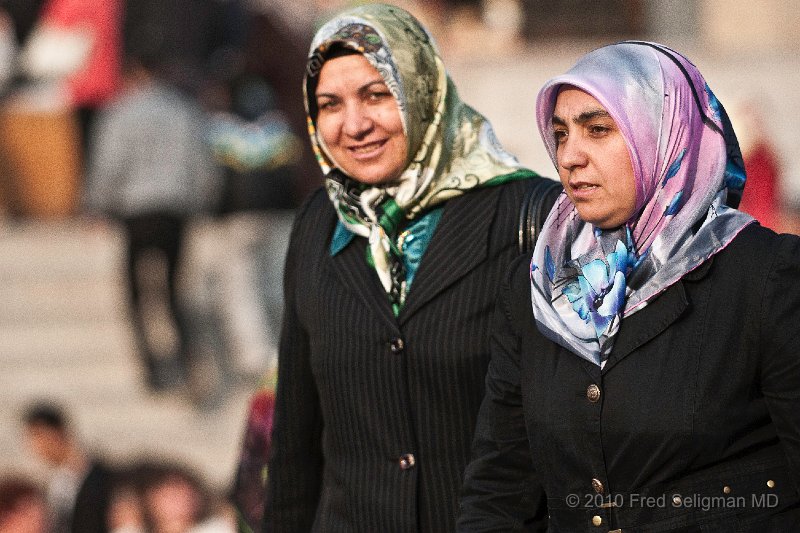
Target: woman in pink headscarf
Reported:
[(644, 374)]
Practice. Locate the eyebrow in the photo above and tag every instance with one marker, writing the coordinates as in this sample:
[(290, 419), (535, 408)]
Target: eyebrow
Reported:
[(361, 89), (584, 117)]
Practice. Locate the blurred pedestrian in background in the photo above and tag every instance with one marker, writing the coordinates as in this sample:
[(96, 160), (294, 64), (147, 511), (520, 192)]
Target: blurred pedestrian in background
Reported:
[(151, 169), (252, 470), (23, 508), (67, 67), (79, 488), (389, 285), (177, 501), (762, 198), (126, 512), (79, 41), (166, 497)]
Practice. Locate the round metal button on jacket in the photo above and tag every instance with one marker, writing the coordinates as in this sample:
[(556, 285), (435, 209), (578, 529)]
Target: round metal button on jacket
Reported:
[(597, 520), (593, 393), (396, 345), (407, 461)]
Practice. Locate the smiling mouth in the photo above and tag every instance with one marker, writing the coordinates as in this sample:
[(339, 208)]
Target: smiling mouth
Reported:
[(366, 149)]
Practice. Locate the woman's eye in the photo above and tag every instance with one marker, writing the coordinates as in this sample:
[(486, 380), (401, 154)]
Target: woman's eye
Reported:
[(378, 95), (598, 129), (326, 105), (560, 136)]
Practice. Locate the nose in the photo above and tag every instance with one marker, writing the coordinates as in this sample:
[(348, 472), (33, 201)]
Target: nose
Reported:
[(357, 121), (570, 153)]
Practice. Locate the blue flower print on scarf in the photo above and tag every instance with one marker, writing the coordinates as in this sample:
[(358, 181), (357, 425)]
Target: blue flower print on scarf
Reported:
[(735, 175), (599, 294), (674, 167), (549, 265)]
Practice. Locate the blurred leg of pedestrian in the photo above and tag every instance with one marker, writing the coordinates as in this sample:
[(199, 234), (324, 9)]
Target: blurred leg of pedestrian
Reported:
[(164, 233)]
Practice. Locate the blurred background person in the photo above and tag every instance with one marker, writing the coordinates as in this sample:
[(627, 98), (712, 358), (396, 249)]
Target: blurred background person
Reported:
[(23, 508), (77, 43), (151, 169), (68, 67), (251, 474), (763, 196), (79, 486), (126, 513), (258, 152), (258, 125), (176, 500)]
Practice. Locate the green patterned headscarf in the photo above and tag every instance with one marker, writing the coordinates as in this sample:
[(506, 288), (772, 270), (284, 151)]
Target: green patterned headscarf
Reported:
[(451, 147)]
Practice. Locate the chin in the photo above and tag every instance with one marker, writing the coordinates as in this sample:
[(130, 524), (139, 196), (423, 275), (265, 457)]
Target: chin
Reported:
[(373, 176), (597, 221)]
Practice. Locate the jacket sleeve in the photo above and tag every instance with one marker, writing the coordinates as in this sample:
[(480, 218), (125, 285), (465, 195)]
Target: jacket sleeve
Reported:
[(780, 337), (500, 491), (295, 467)]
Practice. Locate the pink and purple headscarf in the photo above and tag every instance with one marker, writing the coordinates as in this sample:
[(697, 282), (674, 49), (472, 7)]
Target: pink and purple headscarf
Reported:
[(689, 177)]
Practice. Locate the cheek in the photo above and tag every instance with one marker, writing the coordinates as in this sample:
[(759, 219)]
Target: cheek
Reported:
[(563, 176), (328, 129), (625, 190), (391, 124), (628, 191), (388, 117)]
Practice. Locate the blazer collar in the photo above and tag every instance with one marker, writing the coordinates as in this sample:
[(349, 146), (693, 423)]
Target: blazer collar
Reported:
[(350, 265), (656, 317), (459, 244)]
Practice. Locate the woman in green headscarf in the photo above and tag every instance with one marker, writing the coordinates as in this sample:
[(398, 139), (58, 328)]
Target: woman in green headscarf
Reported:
[(390, 286)]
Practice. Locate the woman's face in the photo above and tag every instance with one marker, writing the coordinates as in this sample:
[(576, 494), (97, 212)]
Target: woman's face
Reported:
[(359, 120), (593, 160)]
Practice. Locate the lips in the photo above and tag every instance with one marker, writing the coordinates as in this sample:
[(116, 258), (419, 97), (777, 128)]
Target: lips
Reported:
[(582, 185), (581, 189), (366, 150)]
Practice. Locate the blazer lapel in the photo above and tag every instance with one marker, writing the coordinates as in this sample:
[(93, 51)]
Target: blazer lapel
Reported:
[(459, 244), (640, 327), (350, 266), (656, 317)]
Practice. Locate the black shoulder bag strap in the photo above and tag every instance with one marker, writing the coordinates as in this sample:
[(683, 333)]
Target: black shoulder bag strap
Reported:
[(540, 196)]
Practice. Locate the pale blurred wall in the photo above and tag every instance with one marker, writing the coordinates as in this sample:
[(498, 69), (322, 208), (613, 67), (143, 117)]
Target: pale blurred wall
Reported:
[(751, 27)]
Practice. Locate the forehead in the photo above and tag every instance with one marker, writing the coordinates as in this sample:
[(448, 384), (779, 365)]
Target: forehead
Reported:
[(571, 102), (349, 72)]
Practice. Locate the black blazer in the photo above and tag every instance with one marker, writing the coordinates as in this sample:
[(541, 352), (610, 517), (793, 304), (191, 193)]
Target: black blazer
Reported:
[(692, 425), (375, 414)]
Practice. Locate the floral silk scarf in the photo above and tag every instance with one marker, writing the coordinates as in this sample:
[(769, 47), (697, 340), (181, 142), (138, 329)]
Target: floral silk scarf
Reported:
[(451, 147), (689, 177)]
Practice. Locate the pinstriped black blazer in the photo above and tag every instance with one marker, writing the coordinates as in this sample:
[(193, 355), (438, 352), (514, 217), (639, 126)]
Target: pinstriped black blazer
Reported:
[(375, 414)]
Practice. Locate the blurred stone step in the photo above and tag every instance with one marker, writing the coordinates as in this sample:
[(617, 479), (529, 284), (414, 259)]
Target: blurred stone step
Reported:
[(69, 381), (30, 341), (39, 250), (45, 301)]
